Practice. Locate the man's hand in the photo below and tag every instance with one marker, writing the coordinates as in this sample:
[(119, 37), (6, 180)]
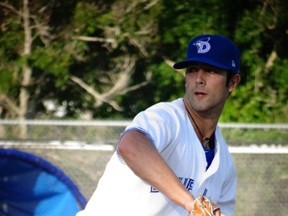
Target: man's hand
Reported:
[(202, 206)]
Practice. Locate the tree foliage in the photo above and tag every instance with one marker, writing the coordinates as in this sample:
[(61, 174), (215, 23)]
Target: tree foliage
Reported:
[(112, 59)]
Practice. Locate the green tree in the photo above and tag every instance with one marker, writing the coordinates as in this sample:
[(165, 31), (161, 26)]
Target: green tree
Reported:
[(260, 31), (262, 35), (112, 59), (77, 54)]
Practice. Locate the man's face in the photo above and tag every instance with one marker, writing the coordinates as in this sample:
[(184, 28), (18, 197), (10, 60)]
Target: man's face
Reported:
[(206, 88)]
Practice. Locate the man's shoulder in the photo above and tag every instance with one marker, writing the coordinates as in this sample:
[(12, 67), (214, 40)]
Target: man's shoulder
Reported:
[(169, 106)]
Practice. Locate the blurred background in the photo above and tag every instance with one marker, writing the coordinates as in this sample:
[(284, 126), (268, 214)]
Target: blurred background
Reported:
[(74, 73)]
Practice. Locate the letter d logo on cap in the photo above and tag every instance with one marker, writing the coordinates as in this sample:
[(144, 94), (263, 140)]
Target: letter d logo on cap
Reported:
[(202, 45)]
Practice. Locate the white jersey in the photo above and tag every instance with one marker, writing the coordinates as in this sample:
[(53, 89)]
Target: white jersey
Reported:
[(121, 192)]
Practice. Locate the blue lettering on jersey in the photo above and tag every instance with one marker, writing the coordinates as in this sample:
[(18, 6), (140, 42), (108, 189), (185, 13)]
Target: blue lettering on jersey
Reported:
[(205, 192), (187, 182), (153, 190)]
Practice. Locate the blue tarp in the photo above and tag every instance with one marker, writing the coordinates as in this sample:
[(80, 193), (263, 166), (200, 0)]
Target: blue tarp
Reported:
[(32, 186)]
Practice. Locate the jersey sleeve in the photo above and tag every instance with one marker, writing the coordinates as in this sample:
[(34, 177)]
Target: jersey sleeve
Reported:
[(159, 123)]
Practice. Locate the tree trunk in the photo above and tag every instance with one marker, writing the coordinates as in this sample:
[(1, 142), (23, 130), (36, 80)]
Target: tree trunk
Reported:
[(26, 70)]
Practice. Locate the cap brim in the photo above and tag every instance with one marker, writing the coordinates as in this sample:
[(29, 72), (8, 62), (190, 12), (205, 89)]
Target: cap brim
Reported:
[(182, 64), (186, 63)]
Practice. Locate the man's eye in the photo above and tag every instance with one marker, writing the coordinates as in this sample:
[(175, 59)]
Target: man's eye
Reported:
[(191, 69), (215, 71), (211, 71)]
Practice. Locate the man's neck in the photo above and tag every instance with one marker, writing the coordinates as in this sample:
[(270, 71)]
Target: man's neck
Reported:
[(204, 125)]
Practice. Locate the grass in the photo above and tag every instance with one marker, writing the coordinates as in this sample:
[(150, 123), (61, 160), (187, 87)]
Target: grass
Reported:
[(262, 184), (240, 136)]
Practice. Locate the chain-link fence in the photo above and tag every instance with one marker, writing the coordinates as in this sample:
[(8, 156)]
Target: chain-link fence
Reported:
[(93, 132), (262, 169)]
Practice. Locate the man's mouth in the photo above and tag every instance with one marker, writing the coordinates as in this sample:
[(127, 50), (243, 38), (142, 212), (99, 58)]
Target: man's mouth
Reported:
[(200, 93)]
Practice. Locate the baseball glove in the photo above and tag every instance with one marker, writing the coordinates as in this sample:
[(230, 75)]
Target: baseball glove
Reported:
[(202, 206)]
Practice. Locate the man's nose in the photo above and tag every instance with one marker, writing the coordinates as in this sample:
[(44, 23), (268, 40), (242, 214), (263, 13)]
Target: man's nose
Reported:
[(200, 76)]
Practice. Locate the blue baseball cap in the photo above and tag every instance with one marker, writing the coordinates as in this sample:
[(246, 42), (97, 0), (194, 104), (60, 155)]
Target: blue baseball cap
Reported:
[(215, 50)]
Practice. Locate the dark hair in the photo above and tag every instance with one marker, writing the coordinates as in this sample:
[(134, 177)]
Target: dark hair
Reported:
[(229, 77)]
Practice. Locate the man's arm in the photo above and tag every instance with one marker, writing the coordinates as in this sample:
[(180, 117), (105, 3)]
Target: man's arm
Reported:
[(144, 160)]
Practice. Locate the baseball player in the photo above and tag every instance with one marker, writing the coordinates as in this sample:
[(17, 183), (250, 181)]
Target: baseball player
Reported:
[(173, 152)]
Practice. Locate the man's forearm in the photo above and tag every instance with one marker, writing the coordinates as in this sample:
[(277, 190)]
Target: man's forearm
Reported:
[(144, 160)]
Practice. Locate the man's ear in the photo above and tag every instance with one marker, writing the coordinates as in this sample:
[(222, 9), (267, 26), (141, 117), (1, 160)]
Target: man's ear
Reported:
[(235, 80)]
